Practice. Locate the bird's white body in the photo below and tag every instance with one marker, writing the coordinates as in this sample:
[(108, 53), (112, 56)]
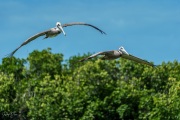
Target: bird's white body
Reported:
[(53, 32)]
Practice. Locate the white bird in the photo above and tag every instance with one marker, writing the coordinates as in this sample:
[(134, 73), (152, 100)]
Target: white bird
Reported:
[(114, 54), (54, 32)]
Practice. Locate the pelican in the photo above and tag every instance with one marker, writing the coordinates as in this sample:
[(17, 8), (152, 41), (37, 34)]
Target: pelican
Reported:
[(54, 32), (114, 54)]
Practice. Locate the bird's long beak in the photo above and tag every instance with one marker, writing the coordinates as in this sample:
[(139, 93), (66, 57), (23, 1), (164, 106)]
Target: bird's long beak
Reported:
[(60, 27)]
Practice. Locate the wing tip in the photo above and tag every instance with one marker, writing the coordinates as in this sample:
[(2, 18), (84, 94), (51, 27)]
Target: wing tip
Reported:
[(10, 55), (155, 66), (103, 32), (81, 60)]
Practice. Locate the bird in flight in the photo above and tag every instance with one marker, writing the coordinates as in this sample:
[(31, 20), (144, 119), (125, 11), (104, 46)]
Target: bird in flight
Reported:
[(54, 32), (114, 54)]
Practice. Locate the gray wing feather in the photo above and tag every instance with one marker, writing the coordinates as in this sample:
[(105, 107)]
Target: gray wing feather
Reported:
[(81, 23), (28, 41), (96, 54), (136, 59)]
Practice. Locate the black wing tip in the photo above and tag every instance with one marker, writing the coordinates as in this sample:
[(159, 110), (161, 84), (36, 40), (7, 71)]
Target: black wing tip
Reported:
[(102, 32), (152, 65), (82, 60), (155, 66), (10, 55)]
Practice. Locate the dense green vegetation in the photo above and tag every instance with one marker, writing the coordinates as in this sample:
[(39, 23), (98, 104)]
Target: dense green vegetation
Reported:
[(45, 87)]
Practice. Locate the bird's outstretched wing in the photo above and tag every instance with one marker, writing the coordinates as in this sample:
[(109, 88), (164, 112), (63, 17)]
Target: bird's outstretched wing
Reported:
[(96, 54), (136, 59), (29, 40), (81, 23)]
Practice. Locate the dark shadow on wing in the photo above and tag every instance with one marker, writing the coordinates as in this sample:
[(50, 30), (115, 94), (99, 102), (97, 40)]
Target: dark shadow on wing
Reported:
[(136, 59), (81, 23), (28, 41)]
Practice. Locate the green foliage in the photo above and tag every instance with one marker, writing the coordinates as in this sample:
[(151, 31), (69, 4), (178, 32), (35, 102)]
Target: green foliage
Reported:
[(118, 89), (44, 62), (13, 65)]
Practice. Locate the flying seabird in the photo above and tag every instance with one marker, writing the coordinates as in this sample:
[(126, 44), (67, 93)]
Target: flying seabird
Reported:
[(54, 32), (114, 54)]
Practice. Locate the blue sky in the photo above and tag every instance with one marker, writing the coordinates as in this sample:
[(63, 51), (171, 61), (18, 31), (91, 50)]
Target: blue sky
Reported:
[(148, 29)]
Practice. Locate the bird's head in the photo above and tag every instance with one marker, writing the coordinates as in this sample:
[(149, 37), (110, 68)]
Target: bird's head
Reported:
[(121, 49), (58, 25)]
